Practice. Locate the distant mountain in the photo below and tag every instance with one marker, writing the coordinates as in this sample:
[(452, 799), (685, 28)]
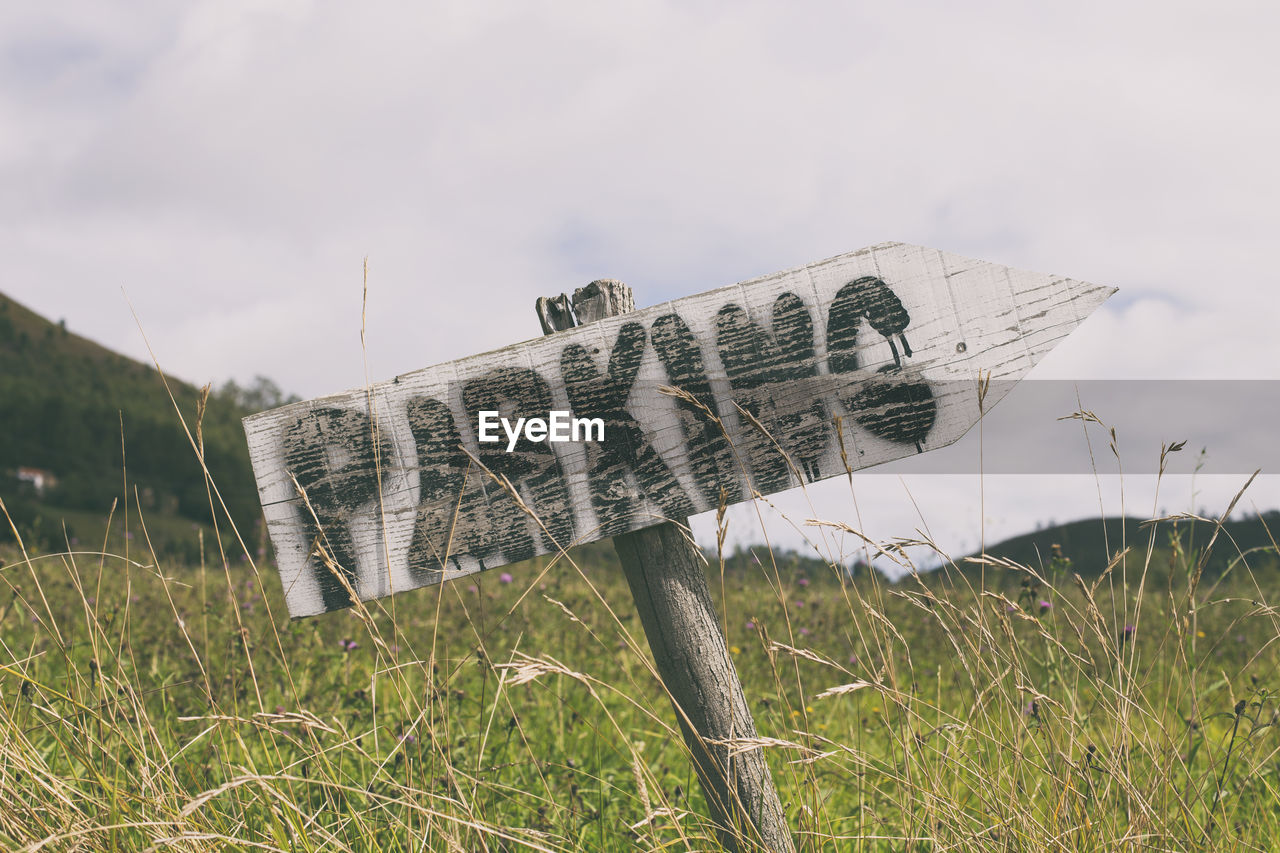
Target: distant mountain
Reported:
[(64, 401), (1090, 544)]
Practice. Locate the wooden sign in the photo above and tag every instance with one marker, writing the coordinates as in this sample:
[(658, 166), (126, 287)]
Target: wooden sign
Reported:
[(619, 424)]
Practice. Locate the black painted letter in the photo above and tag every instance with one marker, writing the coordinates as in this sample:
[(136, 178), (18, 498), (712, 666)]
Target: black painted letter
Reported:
[(767, 373), (625, 448), (532, 465), (330, 452)]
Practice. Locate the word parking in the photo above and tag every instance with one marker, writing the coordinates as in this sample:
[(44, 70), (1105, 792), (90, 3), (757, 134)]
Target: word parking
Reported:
[(742, 391)]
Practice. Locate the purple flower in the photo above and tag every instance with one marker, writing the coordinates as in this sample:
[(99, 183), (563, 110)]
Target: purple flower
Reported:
[(1009, 608), (1045, 606), (505, 577), (407, 738), (803, 581), (799, 603), (349, 645), (473, 589), (751, 626), (804, 632)]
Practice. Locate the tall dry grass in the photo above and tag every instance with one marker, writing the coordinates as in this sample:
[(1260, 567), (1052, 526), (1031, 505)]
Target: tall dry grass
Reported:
[(984, 706)]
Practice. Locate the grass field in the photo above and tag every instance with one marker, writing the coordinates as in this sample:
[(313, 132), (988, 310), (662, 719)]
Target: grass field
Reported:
[(982, 707)]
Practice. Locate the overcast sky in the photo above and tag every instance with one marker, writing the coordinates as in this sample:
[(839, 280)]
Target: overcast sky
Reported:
[(228, 165)]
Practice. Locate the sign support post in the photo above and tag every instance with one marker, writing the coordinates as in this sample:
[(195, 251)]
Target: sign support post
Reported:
[(669, 584)]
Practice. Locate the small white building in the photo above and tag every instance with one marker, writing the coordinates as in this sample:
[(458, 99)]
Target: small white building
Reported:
[(40, 479)]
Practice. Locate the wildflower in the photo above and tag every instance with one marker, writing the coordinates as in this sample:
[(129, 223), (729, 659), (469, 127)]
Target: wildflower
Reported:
[(1045, 606), (505, 577), (349, 645), (803, 581), (751, 626), (1200, 634), (473, 589), (407, 738), (735, 650), (799, 602), (804, 632), (1127, 634)]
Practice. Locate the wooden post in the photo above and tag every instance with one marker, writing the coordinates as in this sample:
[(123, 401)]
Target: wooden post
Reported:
[(669, 583)]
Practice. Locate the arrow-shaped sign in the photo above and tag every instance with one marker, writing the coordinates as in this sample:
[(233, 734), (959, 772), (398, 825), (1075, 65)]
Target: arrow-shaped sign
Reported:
[(619, 424)]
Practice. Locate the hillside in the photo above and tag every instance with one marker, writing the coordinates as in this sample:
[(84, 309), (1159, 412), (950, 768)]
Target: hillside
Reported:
[(1088, 543), (64, 401)]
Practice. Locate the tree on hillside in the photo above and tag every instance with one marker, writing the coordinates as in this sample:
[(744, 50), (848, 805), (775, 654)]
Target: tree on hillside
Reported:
[(258, 396)]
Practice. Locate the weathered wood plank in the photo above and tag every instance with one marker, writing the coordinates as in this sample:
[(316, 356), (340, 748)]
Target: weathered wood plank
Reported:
[(891, 339)]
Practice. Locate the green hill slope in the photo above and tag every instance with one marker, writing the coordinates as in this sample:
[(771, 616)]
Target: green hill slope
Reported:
[(1090, 543), (87, 415)]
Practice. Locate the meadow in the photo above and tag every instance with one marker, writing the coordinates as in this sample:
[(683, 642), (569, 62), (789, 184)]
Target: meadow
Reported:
[(150, 704)]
